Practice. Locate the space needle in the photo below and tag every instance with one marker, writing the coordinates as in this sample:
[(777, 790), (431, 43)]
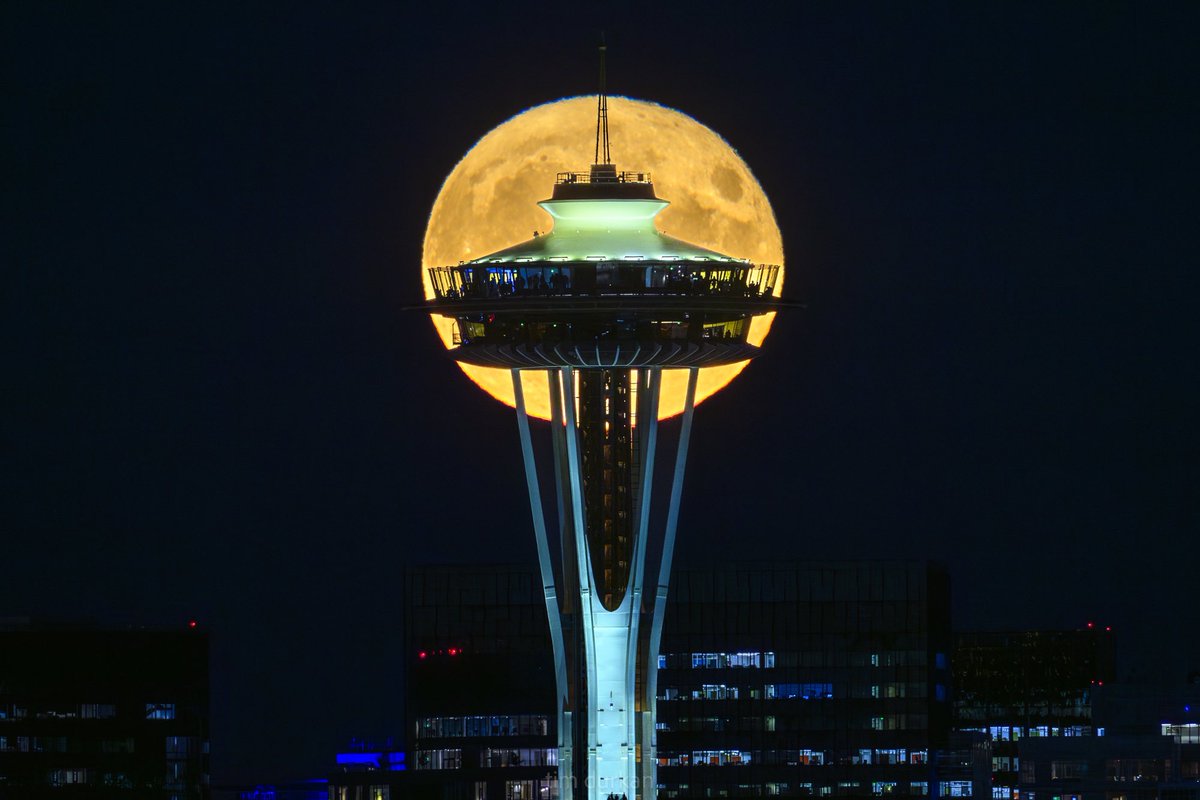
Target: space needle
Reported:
[(600, 306)]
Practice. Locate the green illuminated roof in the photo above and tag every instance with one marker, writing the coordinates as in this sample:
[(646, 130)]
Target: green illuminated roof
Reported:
[(603, 230)]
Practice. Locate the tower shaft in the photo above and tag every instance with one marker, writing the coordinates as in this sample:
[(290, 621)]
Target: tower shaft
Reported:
[(605, 628), (607, 444)]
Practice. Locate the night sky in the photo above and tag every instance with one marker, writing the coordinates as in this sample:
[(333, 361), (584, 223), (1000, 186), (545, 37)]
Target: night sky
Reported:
[(215, 408)]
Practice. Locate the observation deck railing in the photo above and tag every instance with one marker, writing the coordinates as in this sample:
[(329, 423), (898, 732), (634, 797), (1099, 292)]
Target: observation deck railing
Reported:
[(604, 278), (603, 177)]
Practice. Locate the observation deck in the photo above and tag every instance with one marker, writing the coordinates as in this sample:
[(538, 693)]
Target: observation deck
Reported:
[(603, 314)]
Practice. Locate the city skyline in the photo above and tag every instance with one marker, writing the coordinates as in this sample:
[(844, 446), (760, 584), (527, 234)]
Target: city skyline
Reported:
[(216, 218)]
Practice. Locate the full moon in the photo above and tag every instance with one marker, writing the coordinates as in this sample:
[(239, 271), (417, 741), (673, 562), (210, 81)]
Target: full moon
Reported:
[(488, 202)]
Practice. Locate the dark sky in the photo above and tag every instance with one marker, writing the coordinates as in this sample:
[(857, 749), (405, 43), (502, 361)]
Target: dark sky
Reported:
[(213, 406)]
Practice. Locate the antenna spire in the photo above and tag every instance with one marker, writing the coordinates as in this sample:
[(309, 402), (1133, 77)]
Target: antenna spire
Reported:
[(602, 113)]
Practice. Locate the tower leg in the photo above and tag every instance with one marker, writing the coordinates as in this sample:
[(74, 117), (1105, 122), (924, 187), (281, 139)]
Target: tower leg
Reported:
[(649, 773), (606, 675), (549, 592)]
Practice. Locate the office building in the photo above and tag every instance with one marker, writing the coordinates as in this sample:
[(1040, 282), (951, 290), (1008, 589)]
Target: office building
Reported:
[(93, 713), (1020, 685), (799, 679)]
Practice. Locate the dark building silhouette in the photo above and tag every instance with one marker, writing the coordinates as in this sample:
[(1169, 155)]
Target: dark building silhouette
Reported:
[(93, 713), (1022, 685), (782, 679)]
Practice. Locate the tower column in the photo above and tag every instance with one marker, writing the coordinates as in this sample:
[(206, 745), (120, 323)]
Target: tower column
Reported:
[(549, 591), (605, 652)]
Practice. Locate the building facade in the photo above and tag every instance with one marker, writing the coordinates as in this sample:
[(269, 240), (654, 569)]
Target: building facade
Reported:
[(480, 702), (1109, 767), (799, 679), (1021, 685), (91, 713)]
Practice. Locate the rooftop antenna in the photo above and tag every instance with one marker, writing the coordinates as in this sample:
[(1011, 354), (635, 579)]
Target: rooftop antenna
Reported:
[(602, 113)]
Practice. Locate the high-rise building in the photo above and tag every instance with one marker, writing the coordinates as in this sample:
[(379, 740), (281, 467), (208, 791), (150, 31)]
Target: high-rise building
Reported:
[(801, 679), (1014, 686), (600, 306), (93, 713)]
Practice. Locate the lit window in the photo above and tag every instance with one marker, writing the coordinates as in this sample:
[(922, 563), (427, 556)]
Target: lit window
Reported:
[(715, 691), (1067, 770), (720, 758), (810, 757), (1186, 733), (65, 777), (160, 711), (182, 746), (519, 757), (804, 691), (518, 790), (445, 758), (96, 711)]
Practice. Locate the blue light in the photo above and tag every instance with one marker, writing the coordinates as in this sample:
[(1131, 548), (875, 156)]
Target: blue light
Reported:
[(393, 760)]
